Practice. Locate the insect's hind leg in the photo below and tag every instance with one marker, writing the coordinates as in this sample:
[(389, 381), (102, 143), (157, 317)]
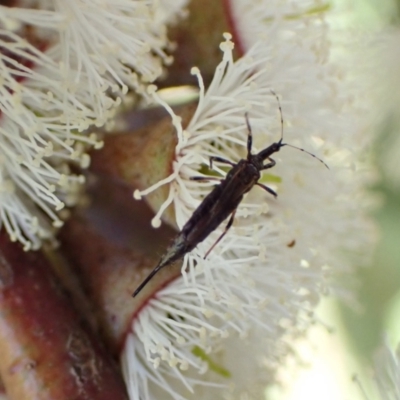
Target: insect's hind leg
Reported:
[(228, 225)]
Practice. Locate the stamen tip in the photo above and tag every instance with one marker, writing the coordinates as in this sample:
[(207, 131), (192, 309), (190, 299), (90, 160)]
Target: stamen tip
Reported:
[(156, 222)]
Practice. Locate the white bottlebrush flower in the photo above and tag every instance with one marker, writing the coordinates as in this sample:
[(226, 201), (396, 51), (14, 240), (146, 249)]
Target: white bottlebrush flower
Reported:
[(64, 67), (110, 43), (265, 277), (170, 11), (255, 21)]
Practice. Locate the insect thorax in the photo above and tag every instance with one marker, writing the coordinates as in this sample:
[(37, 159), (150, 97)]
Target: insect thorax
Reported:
[(249, 172), (257, 161)]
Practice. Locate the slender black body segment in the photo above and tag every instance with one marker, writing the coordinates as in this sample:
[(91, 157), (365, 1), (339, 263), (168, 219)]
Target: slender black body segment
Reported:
[(222, 201)]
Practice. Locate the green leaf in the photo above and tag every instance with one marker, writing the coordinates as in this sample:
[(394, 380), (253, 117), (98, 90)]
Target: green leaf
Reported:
[(270, 178), (199, 352), (307, 13)]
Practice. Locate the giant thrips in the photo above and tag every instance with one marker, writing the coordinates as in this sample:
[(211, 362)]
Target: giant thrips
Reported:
[(223, 200)]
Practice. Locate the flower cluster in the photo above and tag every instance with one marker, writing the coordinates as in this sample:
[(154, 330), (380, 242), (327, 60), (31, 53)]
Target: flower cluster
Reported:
[(267, 274), (65, 67)]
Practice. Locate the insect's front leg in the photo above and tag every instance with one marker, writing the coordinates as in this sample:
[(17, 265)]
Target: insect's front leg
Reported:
[(221, 160), (205, 178), (270, 164), (249, 136)]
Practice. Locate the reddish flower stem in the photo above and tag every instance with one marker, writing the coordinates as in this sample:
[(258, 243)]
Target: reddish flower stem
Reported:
[(113, 247), (198, 38), (47, 351)]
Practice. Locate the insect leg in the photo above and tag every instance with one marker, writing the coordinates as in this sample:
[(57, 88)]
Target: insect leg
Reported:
[(204, 178), (270, 164), (249, 136), (221, 160), (228, 225), (269, 190)]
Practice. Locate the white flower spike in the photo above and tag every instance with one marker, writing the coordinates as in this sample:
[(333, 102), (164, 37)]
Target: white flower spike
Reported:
[(85, 54), (267, 274)]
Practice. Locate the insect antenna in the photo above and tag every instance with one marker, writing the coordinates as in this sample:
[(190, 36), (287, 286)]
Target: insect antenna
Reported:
[(305, 151), (280, 112), (290, 145)]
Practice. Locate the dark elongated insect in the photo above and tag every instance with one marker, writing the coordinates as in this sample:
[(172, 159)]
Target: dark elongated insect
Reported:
[(223, 200)]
